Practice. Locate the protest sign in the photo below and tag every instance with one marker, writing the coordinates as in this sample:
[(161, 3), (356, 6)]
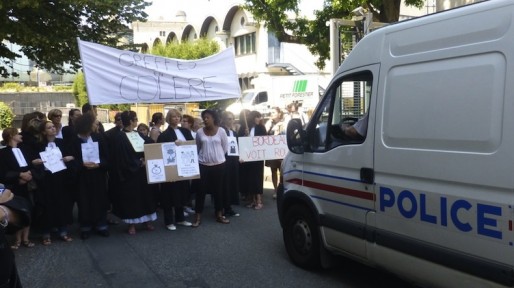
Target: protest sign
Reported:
[(123, 77), (260, 148), (159, 167)]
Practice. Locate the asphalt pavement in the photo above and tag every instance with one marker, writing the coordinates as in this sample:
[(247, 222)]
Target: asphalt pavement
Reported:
[(248, 252)]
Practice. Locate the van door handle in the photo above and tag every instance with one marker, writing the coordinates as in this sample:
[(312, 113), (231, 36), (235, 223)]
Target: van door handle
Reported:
[(367, 175)]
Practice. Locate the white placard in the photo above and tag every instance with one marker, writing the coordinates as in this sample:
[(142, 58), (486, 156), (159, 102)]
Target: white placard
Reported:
[(52, 159), (169, 153), (260, 148), (233, 148), (137, 142), (90, 152), (187, 161), (156, 171), (120, 76)]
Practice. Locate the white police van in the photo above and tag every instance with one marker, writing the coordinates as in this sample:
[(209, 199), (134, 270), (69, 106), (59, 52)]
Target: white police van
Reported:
[(428, 193)]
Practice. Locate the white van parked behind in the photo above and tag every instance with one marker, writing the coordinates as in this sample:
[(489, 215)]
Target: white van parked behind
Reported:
[(428, 191)]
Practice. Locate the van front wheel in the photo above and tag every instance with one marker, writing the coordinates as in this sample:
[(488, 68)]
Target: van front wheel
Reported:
[(301, 237)]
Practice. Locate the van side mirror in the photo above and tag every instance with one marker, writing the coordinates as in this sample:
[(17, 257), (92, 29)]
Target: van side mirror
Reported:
[(295, 136)]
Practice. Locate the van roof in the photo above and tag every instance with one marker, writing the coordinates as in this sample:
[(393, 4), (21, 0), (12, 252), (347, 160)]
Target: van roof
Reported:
[(428, 32)]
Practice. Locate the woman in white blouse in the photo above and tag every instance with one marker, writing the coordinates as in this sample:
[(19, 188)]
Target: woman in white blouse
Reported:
[(212, 145)]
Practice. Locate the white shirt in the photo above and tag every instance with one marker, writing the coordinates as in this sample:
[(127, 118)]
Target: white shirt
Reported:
[(211, 149)]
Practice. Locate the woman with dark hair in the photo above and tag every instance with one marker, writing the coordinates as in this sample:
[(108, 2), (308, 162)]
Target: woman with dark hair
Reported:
[(173, 195), (252, 173), (212, 144), (68, 132), (275, 126), (155, 125), (53, 199), (133, 201), (90, 153), (16, 173)]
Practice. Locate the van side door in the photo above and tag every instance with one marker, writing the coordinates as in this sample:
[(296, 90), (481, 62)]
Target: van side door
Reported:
[(337, 165)]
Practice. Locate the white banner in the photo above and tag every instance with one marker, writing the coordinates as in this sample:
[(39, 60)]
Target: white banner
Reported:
[(123, 77), (259, 148)]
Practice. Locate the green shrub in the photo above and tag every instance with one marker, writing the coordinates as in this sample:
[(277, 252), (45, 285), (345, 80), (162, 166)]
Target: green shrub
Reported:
[(6, 116), (12, 86)]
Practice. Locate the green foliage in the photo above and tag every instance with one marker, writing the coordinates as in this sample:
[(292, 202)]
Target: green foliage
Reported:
[(6, 116), (314, 33), (12, 86), (187, 50), (79, 90), (47, 31), (190, 50)]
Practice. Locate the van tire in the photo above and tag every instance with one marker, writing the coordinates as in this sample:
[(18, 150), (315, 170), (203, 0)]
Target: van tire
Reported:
[(301, 237)]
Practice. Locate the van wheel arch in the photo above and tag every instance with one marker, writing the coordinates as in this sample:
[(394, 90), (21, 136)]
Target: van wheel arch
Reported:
[(301, 236)]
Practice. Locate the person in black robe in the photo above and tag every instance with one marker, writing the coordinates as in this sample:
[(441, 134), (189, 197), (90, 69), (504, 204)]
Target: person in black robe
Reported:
[(174, 194), (231, 181), (133, 201), (10, 219), (252, 173), (90, 178), (16, 172), (54, 198)]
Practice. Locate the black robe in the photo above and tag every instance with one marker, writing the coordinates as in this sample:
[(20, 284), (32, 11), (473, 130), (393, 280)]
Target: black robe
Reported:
[(10, 170), (90, 184), (231, 180), (54, 199), (251, 174), (133, 198)]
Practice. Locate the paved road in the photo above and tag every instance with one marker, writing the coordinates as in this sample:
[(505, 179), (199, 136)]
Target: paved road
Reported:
[(249, 252)]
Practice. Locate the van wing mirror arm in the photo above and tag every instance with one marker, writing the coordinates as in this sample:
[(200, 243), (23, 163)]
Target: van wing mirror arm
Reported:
[(367, 175)]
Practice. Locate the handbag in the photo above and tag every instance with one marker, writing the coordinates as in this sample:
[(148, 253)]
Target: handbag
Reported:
[(22, 208)]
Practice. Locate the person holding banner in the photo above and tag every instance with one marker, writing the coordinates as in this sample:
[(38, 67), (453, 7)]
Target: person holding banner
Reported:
[(90, 176), (252, 173), (212, 145), (54, 199), (173, 195), (133, 201)]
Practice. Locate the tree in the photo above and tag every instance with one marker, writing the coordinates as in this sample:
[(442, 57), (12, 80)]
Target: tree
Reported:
[(315, 33), (47, 31), (189, 51), (6, 116)]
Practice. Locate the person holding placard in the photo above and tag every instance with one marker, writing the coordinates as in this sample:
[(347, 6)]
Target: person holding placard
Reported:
[(212, 145), (16, 172), (252, 173), (133, 201), (173, 195), (90, 171), (231, 181), (54, 199), (275, 126)]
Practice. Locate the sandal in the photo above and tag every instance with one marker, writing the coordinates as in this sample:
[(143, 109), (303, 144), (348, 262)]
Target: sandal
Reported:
[(28, 244), (47, 241), (149, 227), (258, 206), (222, 220), (16, 245), (65, 238), (196, 224), (132, 230), (251, 205)]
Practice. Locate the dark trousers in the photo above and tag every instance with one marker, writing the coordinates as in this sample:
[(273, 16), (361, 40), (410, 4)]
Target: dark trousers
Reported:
[(172, 198), (212, 182)]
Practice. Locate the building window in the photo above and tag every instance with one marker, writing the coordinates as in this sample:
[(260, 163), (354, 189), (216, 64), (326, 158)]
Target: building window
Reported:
[(245, 44), (162, 33)]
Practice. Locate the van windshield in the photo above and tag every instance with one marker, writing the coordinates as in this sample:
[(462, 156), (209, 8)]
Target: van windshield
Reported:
[(247, 97)]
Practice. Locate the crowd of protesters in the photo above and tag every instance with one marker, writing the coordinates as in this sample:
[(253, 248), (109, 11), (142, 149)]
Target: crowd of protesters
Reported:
[(114, 182)]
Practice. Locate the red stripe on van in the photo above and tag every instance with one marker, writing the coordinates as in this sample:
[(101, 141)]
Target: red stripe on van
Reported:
[(510, 225), (334, 189)]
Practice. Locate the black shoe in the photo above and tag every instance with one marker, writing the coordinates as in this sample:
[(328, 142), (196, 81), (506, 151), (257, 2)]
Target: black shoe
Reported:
[(104, 233), (231, 213), (84, 235)]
